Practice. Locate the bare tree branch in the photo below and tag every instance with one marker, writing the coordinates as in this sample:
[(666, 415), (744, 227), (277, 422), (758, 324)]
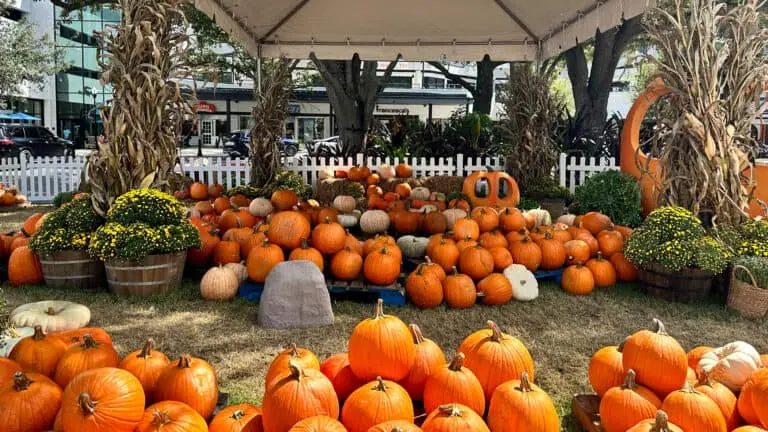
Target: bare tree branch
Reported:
[(453, 77)]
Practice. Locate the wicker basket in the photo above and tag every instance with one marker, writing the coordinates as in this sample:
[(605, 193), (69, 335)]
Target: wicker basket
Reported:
[(750, 300)]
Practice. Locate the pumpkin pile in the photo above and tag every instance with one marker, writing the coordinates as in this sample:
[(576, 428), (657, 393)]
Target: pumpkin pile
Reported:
[(650, 383), (10, 196)]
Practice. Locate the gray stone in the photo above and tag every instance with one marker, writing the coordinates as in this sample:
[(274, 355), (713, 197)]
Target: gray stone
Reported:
[(295, 296)]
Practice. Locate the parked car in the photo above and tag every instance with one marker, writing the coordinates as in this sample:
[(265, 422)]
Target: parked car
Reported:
[(27, 141), (238, 145), (324, 147)]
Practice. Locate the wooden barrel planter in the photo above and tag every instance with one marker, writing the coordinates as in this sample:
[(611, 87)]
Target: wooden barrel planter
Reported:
[(155, 274), (72, 269), (685, 286)]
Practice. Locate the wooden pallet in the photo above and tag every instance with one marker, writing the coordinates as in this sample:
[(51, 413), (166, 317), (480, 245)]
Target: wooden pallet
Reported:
[(356, 290), (556, 275), (585, 408)]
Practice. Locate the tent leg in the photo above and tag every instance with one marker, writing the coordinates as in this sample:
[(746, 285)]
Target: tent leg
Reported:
[(258, 75)]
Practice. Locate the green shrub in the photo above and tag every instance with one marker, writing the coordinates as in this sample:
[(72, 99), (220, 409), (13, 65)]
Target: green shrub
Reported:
[(528, 203), (612, 193), (547, 188), (62, 198), (288, 180), (248, 191), (758, 266)]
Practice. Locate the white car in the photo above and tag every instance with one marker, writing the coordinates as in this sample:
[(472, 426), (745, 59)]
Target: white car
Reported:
[(326, 145)]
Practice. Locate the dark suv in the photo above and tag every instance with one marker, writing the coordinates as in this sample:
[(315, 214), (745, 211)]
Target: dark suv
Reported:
[(17, 140)]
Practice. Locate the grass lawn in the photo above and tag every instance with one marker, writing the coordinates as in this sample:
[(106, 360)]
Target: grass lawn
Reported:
[(560, 330)]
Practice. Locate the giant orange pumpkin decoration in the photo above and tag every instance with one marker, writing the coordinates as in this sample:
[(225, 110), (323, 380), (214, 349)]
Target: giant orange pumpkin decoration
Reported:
[(489, 189)]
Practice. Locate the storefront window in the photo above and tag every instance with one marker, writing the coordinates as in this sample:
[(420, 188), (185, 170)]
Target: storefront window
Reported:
[(311, 128), (434, 83)]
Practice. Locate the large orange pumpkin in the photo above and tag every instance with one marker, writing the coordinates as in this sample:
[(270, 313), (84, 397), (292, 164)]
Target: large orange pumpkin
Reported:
[(198, 191), (595, 222), (297, 394), (606, 369), (445, 254), (346, 264), (496, 357), (30, 224), (89, 355), (171, 416), (577, 251), (39, 353), (611, 241), (693, 411), (146, 364), (602, 270), (488, 189), (522, 406), (624, 406), (24, 267), (192, 381), (237, 418), (492, 239), (381, 346), (487, 218), (102, 400), (376, 402), (287, 228), (302, 357), (553, 254), (578, 280), (429, 357), (29, 403), (321, 423), (262, 260), (337, 369), (502, 258), (466, 227), (658, 359), (454, 417), (454, 383), (77, 336), (226, 252), (746, 403), (511, 219), (625, 270)]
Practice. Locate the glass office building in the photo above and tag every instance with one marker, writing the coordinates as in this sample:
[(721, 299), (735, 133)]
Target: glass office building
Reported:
[(78, 90)]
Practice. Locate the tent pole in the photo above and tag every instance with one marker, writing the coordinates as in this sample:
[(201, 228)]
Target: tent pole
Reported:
[(258, 72)]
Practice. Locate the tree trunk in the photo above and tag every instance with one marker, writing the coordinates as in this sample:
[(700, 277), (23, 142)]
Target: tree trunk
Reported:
[(482, 89)]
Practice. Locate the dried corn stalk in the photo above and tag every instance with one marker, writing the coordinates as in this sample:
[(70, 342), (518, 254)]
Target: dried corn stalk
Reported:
[(269, 115), (713, 59), (528, 121), (142, 59)]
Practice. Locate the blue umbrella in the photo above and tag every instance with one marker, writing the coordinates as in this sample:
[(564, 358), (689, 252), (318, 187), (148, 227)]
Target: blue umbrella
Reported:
[(5, 117), (23, 116)]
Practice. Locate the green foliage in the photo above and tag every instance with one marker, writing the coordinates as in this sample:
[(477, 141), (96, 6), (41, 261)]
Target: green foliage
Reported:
[(149, 206), (758, 266), (547, 188), (68, 228), (528, 203), (288, 180), (755, 229), (675, 238), (138, 240), (62, 198), (248, 191), (612, 193)]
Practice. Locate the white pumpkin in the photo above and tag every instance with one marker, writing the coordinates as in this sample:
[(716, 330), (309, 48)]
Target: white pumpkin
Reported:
[(347, 220), (344, 203), (567, 219), (374, 221), (541, 216), (412, 246), (241, 271), (325, 174), (11, 337), (219, 283), (52, 315), (452, 215), (429, 208), (730, 365), (260, 207), (525, 287), (420, 193), (386, 172)]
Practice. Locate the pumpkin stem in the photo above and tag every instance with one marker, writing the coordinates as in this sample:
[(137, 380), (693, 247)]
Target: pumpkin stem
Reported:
[(237, 415), (662, 422), (416, 332), (327, 220), (295, 369), (457, 363), (146, 351), (420, 270), (629, 381), (89, 342), (184, 361), (600, 256), (450, 410), (428, 260), (294, 350), (497, 334), (39, 335), (688, 388), (525, 384), (660, 327), (380, 386), (21, 381), (455, 271), (304, 243), (160, 418), (705, 379), (379, 310), (620, 348), (87, 405), (51, 311), (265, 243)]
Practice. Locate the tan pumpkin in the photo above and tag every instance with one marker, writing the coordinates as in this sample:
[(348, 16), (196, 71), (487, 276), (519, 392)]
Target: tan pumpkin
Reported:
[(219, 283)]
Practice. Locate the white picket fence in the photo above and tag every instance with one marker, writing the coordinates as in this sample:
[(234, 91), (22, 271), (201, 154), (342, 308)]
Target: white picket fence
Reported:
[(42, 178)]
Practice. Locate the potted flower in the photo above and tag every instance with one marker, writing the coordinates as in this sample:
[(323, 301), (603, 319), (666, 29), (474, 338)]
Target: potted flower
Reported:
[(144, 243), (550, 195), (675, 257), (62, 241), (748, 292)]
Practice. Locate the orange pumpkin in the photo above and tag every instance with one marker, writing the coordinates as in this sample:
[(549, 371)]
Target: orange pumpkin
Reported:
[(307, 253), (192, 381), (435, 223), (374, 403), (287, 228), (220, 205), (577, 251), (693, 411), (30, 224), (171, 416), (465, 244), (521, 405), (90, 355), (226, 252), (424, 289), (8, 367), (337, 369), (578, 280), (29, 403), (476, 262), (695, 355), (215, 190), (454, 417), (493, 239), (321, 423), (495, 289), (24, 267), (526, 253), (725, 400), (434, 269), (77, 336), (487, 219), (346, 264), (262, 260), (502, 258), (146, 364), (659, 360), (623, 407), (237, 418), (403, 170), (403, 190), (746, 403), (239, 200), (625, 270), (491, 189), (602, 271), (516, 236), (595, 222), (429, 358), (659, 424), (454, 383), (373, 180), (553, 254), (466, 227), (511, 219), (610, 242), (382, 267), (606, 369), (358, 173), (39, 353), (297, 394), (284, 199), (299, 356), (198, 191), (395, 425)]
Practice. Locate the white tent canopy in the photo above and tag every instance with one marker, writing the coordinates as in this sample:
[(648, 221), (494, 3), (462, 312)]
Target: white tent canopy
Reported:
[(506, 30)]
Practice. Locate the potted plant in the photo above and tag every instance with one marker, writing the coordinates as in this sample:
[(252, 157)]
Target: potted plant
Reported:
[(675, 257), (62, 241), (550, 195), (748, 292), (144, 243)]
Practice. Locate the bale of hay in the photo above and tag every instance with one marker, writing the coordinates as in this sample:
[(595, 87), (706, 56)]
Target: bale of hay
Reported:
[(443, 184), (328, 189)]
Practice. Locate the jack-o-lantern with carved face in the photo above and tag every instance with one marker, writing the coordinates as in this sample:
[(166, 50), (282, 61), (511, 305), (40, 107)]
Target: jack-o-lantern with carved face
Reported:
[(490, 189)]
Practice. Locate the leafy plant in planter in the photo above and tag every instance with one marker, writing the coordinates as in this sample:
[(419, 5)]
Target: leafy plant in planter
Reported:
[(612, 193), (547, 189), (68, 228), (757, 265)]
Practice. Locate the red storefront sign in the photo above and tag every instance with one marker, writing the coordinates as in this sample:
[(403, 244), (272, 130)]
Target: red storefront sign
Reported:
[(205, 107)]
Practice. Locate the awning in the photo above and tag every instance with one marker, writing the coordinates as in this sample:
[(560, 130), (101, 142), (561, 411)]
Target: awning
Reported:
[(465, 30), (18, 116)]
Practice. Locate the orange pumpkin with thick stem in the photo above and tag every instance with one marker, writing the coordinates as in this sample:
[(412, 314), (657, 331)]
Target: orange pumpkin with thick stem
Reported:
[(433, 269), (346, 265), (606, 369), (724, 398), (495, 357), (382, 267), (445, 254), (89, 355), (296, 394), (237, 418), (329, 237), (502, 258), (693, 411), (521, 405), (381, 346), (578, 280), (76, 337), (495, 289), (146, 364), (24, 266), (527, 253), (171, 416), (287, 228), (491, 189), (262, 260), (307, 253), (624, 406), (466, 227), (300, 356), (459, 290), (476, 262), (625, 270), (454, 417), (487, 219), (453, 383), (493, 239), (320, 423), (610, 241), (553, 253), (429, 358), (29, 403), (102, 400), (659, 424), (190, 380), (602, 270), (336, 368), (38, 353), (424, 289), (376, 402), (511, 219), (658, 359)]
